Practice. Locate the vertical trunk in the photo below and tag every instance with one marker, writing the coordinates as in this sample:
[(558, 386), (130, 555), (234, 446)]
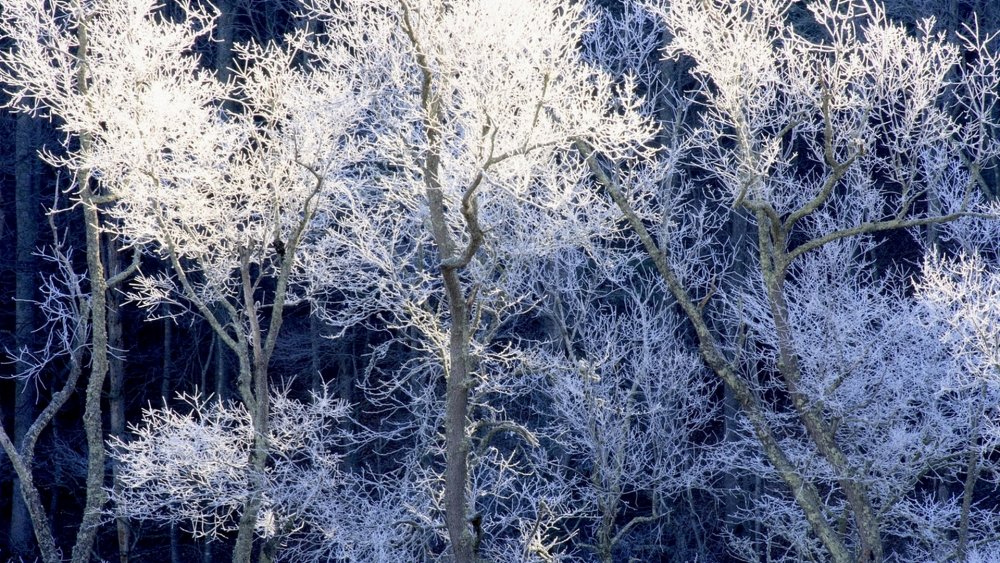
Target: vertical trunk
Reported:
[(116, 376), (243, 549), (26, 209), (456, 413), (167, 367), (971, 477), (175, 544), (463, 544), (458, 381), (93, 424), (347, 373), (225, 30), (315, 341), (255, 357), (221, 367)]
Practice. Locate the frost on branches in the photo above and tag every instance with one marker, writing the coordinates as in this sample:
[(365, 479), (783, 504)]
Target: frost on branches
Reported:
[(630, 267), (193, 466)]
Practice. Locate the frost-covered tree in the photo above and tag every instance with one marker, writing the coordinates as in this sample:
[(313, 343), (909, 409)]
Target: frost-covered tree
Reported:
[(194, 466), (475, 117), (822, 136), (625, 403), (548, 228), (65, 306), (48, 72), (224, 197)]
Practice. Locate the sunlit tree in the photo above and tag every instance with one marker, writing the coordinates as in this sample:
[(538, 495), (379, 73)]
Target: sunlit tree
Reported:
[(476, 115), (224, 198), (566, 246)]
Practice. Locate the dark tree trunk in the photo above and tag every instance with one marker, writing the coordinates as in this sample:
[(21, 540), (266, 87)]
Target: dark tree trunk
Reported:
[(116, 376), (26, 206)]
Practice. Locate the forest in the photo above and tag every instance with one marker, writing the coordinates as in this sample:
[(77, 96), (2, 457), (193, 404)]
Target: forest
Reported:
[(505, 281)]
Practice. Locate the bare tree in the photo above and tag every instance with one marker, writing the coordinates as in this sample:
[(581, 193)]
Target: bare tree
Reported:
[(819, 140), (477, 117)]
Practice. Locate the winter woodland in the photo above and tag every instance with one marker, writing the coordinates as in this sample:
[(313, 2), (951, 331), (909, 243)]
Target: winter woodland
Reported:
[(500, 281)]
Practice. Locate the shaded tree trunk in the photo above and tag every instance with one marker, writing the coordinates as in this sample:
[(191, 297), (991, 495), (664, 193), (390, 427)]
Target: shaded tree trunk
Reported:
[(26, 209), (116, 373), (167, 381)]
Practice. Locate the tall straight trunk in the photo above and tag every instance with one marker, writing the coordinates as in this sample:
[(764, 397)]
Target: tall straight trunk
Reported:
[(167, 366), (221, 366), (26, 209), (225, 29), (972, 471), (175, 543), (458, 379), (315, 343), (249, 383), (93, 424), (116, 373), (456, 414), (254, 349), (452, 260)]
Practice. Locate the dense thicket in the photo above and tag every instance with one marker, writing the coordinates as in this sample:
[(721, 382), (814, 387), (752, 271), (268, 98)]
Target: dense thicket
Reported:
[(544, 280)]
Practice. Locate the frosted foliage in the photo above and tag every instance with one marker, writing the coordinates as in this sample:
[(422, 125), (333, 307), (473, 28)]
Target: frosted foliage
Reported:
[(509, 102), (872, 361), (139, 52), (630, 373), (962, 294), (594, 429), (192, 466), (844, 106), (188, 177)]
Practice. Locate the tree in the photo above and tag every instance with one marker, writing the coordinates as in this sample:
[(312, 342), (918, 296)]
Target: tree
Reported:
[(193, 468), (28, 207), (818, 139), (49, 72), (476, 118), (65, 305), (225, 200), (626, 403)]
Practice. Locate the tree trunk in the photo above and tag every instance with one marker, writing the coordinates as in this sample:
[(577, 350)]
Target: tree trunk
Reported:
[(221, 365), (93, 424), (972, 471), (116, 373), (225, 28), (32, 501), (456, 414), (772, 258), (26, 209), (167, 367), (248, 383), (315, 343)]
